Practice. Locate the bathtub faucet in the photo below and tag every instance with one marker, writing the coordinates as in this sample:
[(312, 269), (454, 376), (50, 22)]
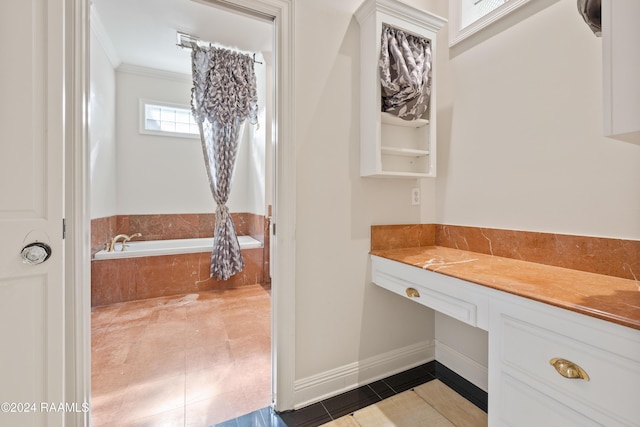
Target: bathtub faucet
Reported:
[(127, 238), (124, 238)]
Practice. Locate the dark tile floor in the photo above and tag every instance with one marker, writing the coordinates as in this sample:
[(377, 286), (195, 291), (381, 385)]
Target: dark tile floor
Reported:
[(349, 402)]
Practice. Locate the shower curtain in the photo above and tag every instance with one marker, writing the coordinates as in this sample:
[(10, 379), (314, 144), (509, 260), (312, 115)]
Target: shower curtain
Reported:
[(405, 73), (223, 97)]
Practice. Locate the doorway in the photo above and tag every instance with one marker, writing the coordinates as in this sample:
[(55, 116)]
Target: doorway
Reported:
[(126, 176)]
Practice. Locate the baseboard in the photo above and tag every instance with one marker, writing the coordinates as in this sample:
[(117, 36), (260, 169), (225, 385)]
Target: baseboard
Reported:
[(464, 388), (348, 377), (467, 368)]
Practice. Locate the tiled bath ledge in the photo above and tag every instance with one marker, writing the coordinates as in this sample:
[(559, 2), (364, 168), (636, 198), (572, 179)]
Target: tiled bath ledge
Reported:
[(526, 264), (172, 226)]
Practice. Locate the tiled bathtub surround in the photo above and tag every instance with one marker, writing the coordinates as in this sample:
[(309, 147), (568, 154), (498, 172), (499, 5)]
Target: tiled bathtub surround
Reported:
[(129, 279), (171, 226), (611, 257), (119, 280)]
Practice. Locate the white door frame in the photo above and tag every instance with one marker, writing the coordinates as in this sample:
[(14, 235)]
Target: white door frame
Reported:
[(78, 263), (78, 218)]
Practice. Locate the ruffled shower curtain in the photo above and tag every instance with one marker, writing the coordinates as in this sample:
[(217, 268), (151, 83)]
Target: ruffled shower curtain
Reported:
[(405, 73), (223, 97)]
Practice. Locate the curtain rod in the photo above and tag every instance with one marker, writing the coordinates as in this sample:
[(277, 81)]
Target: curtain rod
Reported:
[(187, 41)]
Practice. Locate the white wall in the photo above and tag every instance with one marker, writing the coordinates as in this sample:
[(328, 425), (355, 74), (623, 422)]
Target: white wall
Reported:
[(463, 349), (520, 142), (102, 135), (162, 175), (341, 318), (520, 125), (249, 180), (519, 147)]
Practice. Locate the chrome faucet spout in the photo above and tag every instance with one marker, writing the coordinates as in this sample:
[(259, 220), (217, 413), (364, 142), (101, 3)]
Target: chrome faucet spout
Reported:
[(127, 238)]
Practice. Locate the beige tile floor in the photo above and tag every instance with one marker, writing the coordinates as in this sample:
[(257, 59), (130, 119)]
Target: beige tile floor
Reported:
[(188, 360), (430, 405)]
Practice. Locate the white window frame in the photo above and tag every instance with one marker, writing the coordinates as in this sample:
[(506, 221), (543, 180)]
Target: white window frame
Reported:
[(142, 119)]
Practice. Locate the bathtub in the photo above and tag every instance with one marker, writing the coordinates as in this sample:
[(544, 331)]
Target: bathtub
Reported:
[(137, 249)]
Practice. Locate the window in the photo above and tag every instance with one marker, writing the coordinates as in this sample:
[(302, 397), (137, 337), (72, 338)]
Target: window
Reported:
[(161, 118)]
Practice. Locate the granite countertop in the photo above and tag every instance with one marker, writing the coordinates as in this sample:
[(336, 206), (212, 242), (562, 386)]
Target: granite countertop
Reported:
[(608, 298)]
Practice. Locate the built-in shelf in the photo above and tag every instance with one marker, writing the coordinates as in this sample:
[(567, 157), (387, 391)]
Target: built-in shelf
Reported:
[(407, 152), (390, 119), (391, 147)]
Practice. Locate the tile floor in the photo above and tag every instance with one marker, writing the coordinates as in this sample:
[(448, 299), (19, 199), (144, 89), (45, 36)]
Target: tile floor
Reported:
[(188, 360), (432, 404), (204, 359), (422, 396)]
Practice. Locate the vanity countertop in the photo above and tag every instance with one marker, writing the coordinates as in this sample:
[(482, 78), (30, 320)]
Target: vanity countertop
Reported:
[(609, 298)]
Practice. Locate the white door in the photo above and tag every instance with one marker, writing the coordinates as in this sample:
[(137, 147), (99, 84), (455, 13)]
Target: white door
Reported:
[(31, 210)]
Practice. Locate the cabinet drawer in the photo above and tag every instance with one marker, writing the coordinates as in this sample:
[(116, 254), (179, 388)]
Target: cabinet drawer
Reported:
[(528, 348), (441, 293), (454, 307), (524, 406)]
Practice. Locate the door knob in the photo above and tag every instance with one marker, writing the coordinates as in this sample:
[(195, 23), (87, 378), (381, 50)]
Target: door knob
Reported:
[(36, 253)]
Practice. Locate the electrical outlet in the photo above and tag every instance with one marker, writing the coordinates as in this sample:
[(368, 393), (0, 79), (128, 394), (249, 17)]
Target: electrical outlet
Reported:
[(415, 196)]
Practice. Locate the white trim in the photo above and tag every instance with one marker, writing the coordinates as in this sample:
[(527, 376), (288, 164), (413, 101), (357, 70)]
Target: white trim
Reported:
[(265, 11), (457, 33), (77, 211), (403, 12), (153, 72), (101, 34), (284, 215), (462, 365), (348, 377)]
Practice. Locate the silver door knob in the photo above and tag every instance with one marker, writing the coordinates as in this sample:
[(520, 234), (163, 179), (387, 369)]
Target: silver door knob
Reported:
[(36, 253)]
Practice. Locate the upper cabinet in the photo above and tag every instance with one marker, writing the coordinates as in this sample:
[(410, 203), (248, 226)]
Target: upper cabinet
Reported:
[(391, 146), (621, 57)]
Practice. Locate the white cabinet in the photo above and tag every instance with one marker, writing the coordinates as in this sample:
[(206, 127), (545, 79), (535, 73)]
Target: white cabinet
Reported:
[(525, 389), (621, 58), (525, 336), (392, 147)]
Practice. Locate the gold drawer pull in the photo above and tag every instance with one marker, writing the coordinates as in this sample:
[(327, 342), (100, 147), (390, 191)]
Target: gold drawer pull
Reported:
[(413, 293), (569, 369)]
